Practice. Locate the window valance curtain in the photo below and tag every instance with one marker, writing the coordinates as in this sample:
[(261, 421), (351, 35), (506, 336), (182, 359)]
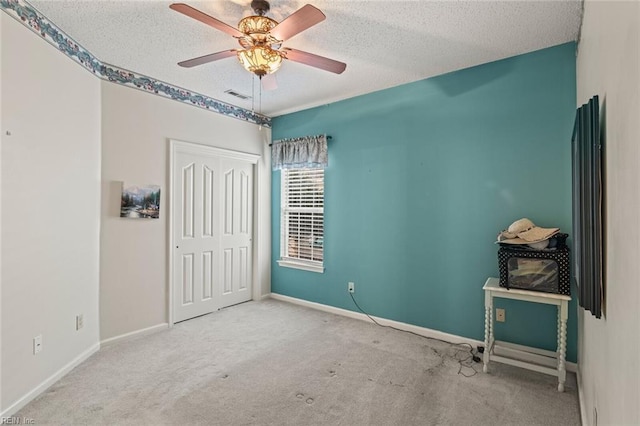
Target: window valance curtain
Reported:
[(296, 153)]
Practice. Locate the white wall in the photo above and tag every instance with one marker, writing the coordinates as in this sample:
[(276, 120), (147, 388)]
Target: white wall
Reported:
[(1, 131), (50, 210), (608, 65), (136, 128)]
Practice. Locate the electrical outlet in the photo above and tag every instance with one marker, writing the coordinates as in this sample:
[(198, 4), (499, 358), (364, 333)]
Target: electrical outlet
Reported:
[(500, 315), (352, 287), (37, 344), (79, 322)]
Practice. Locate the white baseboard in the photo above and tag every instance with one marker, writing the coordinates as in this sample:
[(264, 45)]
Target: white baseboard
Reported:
[(427, 332), (583, 407), (136, 333), (35, 392)]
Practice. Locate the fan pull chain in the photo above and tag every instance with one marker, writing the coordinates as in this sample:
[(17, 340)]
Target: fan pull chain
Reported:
[(260, 96), (253, 96), (260, 101), (256, 79)]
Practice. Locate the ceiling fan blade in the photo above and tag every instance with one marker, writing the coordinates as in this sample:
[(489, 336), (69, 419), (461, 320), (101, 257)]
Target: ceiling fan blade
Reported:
[(207, 58), (269, 82), (204, 18), (305, 17), (314, 60)]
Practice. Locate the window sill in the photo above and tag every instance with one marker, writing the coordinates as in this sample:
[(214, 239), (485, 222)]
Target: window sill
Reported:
[(300, 265)]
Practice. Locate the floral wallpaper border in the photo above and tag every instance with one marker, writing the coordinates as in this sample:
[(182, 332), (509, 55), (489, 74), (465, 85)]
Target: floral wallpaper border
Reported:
[(31, 18)]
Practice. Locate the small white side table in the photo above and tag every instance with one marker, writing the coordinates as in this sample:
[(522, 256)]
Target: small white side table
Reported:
[(492, 290)]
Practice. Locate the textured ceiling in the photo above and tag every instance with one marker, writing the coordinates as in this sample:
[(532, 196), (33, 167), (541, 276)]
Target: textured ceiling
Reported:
[(384, 43)]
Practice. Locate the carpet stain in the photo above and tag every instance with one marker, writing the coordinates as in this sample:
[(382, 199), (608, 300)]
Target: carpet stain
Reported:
[(309, 400), (225, 376), (332, 373), (376, 342), (56, 388)]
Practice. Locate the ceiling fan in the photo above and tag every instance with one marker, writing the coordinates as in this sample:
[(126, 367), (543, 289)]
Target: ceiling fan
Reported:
[(261, 39)]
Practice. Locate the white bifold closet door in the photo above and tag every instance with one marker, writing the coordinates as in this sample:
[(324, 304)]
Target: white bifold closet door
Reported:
[(212, 232)]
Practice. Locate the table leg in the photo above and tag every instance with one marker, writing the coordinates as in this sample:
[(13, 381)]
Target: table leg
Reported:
[(488, 310), (558, 321), (562, 373)]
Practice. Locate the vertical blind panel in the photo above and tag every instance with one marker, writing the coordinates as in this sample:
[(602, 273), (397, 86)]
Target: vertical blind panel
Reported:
[(588, 205)]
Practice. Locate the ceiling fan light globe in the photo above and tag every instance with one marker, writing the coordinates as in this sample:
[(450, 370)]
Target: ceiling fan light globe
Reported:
[(260, 60)]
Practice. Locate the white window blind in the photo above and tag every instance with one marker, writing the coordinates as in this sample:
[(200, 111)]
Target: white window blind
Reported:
[(302, 219)]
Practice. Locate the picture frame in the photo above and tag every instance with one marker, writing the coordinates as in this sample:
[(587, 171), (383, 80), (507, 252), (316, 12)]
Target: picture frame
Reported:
[(140, 201)]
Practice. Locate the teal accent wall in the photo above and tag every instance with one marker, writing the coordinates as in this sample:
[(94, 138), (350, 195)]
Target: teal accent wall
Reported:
[(421, 179)]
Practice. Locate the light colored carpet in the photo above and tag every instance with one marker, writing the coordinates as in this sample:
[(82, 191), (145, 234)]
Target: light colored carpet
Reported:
[(273, 363)]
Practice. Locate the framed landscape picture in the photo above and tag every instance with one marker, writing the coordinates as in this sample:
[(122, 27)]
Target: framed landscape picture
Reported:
[(140, 201)]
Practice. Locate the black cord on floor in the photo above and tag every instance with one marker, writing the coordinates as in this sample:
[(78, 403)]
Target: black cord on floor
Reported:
[(466, 362)]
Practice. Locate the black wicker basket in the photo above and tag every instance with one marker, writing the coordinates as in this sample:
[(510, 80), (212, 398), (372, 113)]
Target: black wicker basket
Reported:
[(538, 270)]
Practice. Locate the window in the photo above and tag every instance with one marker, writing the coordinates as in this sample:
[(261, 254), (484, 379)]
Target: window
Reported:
[(302, 219)]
